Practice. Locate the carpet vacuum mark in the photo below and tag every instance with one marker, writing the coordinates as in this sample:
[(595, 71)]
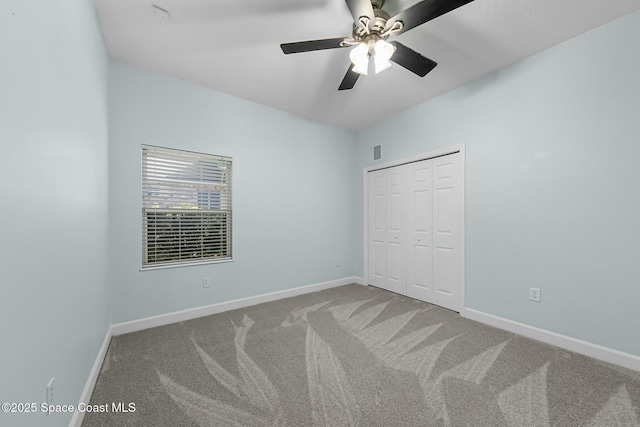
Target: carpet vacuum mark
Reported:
[(355, 356)]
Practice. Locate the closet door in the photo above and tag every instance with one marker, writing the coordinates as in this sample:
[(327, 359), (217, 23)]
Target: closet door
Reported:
[(419, 229), (448, 260), (415, 222), (396, 223), (387, 194), (377, 228)]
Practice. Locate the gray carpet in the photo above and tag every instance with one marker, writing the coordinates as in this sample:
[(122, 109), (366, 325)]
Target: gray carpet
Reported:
[(354, 356)]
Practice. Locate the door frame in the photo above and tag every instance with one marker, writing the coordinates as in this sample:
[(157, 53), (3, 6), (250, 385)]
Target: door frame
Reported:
[(419, 157)]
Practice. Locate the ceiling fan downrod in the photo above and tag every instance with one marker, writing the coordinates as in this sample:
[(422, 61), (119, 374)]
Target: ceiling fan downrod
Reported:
[(377, 4)]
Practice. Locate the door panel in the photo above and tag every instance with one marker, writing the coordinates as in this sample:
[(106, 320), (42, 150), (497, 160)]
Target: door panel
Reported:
[(378, 212), (377, 229), (377, 269), (443, 269), (444, 213), (395, 210), (448, 277), (395, 230), (378, 183), (422, 208), (419, 228), (421, 269), (395, 261)]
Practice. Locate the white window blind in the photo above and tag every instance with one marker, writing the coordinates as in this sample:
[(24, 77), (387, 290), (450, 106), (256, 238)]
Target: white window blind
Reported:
[(186, 207)]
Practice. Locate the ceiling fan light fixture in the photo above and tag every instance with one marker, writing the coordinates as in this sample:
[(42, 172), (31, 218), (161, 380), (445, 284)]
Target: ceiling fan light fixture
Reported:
[(380, 64), (383, 51), (360, 58), (370, 30), (361, 67)]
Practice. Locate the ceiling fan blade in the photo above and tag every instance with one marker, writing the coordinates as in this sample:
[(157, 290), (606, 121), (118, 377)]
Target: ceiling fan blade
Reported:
[(412, 60), (312, 45), (349, 80), (424, 11), (359, 8)]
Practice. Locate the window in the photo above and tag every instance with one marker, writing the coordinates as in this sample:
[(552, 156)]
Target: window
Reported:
[(186, 207)]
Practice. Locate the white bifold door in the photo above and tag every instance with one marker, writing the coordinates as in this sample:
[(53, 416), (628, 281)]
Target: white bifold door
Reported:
[(415, 223)]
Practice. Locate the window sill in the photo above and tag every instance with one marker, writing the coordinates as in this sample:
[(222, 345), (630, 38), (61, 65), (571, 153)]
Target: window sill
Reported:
[(184, 264)]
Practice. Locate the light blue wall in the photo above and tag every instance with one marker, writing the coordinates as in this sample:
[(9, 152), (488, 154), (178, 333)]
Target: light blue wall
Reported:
[(292, 192), (552, 199), (53, 190), (553, 151)]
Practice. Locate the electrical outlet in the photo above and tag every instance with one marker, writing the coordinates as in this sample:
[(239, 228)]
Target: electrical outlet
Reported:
[(50, 392), (534, 294), (205, 282), (338, 262)]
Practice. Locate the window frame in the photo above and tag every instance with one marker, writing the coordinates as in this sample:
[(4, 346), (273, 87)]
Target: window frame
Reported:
[(228, 162)]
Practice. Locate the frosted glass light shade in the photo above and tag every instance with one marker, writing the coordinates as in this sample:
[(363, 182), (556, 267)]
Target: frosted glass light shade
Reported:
[(380, 64), (383, 52), (360, 58)]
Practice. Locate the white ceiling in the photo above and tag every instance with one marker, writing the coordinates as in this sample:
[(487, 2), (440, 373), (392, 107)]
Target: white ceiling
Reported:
[(233, 46)]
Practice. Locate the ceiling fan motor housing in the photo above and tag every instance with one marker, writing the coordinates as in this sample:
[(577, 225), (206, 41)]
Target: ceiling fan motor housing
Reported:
[(375, 28)]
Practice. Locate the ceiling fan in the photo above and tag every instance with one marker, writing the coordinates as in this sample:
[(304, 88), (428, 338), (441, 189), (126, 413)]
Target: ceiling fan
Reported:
[(371, 29)]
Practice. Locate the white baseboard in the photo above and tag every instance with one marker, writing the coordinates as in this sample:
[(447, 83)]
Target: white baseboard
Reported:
[(586, 348), (359, 281), (78, 416), (207, 310)]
